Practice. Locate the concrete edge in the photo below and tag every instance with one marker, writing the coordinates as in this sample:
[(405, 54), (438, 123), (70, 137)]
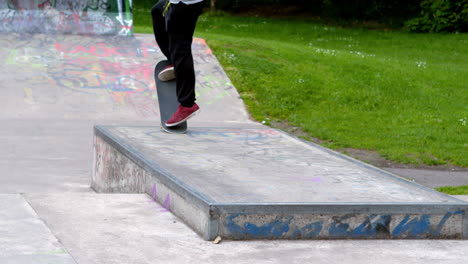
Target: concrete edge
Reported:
[(465, 225), (165, 176), (342, 208), (247, 115), (329, 151), (461, 197), (214, 211), (343, 221), (371, 167), (198, 217), (27, 201), (187, 198)]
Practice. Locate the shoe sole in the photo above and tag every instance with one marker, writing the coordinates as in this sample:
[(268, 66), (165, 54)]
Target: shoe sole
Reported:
[(180, 122), (166, 75), (168, 131)]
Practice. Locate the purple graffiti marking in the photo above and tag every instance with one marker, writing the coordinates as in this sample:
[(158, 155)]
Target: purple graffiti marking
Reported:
[(316, 179), (154, 192), (166, 206)]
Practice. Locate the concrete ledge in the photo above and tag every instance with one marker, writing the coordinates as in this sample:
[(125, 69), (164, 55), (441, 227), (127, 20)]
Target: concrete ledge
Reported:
[(343, 221), (218, 192), (120, 169)]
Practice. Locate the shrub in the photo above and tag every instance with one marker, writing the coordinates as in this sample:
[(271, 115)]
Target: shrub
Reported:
[(441, 16), (370, 9), (394, 12), (237, 5)]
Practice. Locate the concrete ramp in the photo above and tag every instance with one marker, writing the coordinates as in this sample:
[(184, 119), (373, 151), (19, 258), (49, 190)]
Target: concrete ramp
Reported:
[(260, 183), (55, 88), (84, 17), (101, 78)]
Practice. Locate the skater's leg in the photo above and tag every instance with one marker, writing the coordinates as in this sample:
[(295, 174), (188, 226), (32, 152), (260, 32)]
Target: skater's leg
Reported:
[(181, 21), (184, 69), (160, 27)]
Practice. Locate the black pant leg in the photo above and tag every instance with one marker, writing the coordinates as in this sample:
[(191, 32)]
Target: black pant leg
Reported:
[(160, 29), (181, 54), (181, 21)]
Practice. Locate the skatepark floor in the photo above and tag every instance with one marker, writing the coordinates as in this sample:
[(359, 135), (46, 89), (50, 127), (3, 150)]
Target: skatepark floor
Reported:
[(55, 89)]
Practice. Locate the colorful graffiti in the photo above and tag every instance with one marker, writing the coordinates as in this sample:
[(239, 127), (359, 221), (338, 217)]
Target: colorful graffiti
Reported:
[(84, 17), (119, 69), (347, 226), (165, 206), (122, 71), (105, 71)]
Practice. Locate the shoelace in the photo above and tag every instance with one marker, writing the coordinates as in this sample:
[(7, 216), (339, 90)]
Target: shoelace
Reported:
[(166, 8)]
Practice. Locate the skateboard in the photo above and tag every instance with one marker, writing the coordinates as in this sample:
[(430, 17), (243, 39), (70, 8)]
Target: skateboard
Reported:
[(167, 97)]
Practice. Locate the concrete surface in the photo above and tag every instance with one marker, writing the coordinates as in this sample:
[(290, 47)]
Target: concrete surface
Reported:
[(239, 165), (130, 228), (461, 197), (55, 154), (433, 178), (54, 89), (24, 238), (59, 77)]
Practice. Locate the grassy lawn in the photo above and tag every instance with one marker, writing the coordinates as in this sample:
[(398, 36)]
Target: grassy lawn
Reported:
[(400, 94), (460, 190)]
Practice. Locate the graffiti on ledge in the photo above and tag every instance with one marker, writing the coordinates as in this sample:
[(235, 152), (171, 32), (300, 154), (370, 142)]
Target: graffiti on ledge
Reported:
[(347, 226)]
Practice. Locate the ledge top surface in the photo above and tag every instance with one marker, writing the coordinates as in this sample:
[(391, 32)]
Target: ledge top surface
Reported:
[(250, 165)]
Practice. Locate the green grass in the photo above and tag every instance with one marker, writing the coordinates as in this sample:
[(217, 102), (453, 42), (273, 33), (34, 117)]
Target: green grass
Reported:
[(403, 95), (460, 190)]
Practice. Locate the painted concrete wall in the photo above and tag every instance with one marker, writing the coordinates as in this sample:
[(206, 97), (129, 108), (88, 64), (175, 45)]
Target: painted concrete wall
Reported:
[(88, 17), (344, 226)]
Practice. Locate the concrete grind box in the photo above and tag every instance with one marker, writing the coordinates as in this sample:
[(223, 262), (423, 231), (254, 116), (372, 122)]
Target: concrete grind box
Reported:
[(86, 17), (126, 160)]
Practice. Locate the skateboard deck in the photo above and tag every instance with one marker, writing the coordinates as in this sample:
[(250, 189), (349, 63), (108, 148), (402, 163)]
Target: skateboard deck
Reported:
[(167, 97)]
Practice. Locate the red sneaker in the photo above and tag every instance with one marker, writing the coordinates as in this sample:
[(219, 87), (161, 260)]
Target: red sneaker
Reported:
[(182, 114), (167, 74)]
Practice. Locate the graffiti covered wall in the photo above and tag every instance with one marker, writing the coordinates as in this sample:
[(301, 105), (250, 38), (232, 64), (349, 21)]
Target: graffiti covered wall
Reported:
[(85, 17)]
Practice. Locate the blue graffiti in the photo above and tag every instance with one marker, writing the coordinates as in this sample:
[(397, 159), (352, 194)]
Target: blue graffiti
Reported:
[(414, 228), (444, 220), (233, 227), (374, 226), (421, 226), (368, 228), (274, 229), (309, 231)]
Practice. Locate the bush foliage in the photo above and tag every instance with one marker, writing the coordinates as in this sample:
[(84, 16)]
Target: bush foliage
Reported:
[(441, 16), (348, 9), (422, 15)]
